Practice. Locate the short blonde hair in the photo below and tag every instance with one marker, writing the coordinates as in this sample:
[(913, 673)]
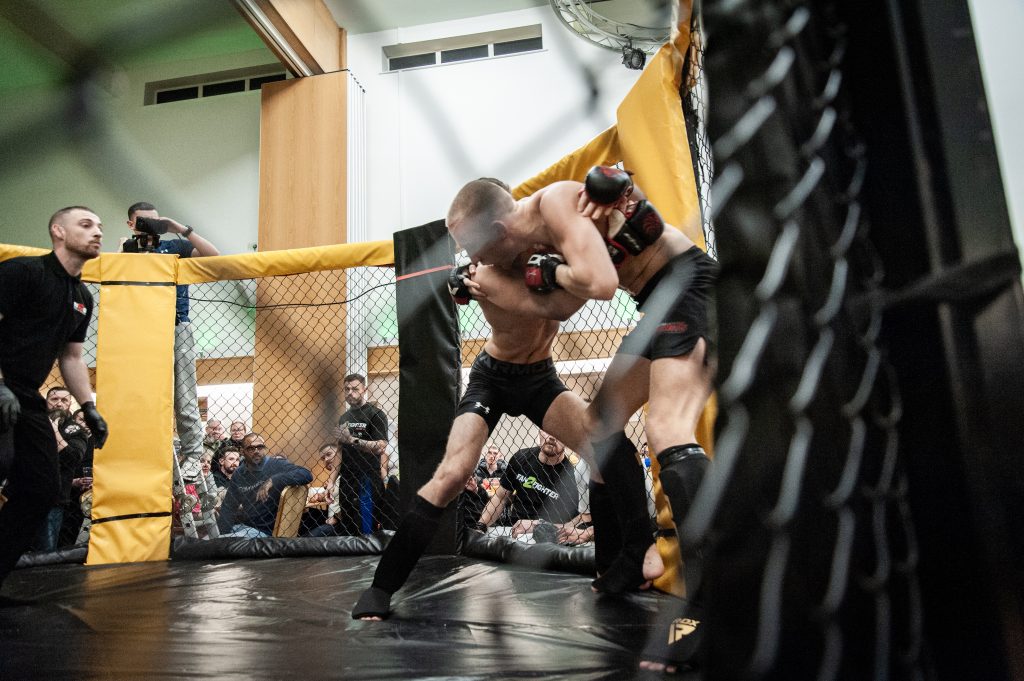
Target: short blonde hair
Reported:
[(481, 201)]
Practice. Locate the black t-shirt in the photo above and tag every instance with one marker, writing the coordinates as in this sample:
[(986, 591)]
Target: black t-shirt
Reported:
[(44, 308), (541, 491), (365, 422)]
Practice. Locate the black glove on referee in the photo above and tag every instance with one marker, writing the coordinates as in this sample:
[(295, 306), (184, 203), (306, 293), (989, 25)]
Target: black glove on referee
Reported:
[(97, 426), (10, 408)]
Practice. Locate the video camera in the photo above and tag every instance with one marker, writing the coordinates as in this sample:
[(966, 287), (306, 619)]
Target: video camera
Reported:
[(146, 242)]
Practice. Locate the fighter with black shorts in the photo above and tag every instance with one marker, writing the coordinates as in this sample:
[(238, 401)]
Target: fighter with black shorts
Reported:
[(497, 388), (587, 239), (514, 374)]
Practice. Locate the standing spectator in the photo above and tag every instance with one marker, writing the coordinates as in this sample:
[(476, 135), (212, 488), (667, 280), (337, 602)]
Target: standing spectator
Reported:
[(363, 435), (250, 506), (145, 224), (44, 317), (542, 483)]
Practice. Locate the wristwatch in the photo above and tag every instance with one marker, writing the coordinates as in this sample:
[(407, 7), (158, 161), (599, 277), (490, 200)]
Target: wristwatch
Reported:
[(188, 231)]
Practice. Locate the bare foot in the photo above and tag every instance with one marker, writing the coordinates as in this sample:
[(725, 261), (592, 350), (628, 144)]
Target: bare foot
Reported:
[(371, 618), (654, 567), (659, 667)]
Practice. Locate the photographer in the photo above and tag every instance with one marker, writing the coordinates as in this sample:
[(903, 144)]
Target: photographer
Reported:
[(147, 226)]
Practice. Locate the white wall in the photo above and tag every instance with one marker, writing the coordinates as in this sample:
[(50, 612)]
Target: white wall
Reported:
[(430, 130), (196, 160), (998, 27)]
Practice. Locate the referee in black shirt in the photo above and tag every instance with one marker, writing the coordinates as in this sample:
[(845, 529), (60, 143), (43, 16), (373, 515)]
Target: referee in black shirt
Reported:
[(44, 315)]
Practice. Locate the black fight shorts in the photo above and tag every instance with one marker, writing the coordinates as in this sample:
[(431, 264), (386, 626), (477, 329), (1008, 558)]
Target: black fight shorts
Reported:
[(676, 303), (497, 388)]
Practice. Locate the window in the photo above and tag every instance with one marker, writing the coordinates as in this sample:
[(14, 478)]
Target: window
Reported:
[(212, 84), (463, 48)]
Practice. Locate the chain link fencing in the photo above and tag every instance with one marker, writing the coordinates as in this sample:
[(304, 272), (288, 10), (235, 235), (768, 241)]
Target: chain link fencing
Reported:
[(812, 561), (273, 358)]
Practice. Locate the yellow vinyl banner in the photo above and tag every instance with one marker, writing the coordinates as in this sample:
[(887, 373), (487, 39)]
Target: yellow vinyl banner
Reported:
[(131, 511)]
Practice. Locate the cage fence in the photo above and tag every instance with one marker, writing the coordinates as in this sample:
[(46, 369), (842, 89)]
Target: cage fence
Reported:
[(273, 359), (811, 551)]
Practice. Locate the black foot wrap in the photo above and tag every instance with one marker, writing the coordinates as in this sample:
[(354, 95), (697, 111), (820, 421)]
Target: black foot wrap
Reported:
[(626, 573), (624, 485), (678, 635), (373, 603), (411, 539), (607, 534)]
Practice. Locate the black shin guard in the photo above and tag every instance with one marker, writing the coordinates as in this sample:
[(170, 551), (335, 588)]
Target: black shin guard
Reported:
[(624, 485), (405, 548), (682, 470)]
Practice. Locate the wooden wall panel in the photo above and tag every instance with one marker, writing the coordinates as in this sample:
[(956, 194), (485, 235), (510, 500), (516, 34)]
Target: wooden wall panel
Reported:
[(302, 162)]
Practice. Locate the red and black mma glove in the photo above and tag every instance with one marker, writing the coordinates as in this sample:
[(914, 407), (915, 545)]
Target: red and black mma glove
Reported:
[(641, 227), (540, 272), (606, 185), (457, 283)]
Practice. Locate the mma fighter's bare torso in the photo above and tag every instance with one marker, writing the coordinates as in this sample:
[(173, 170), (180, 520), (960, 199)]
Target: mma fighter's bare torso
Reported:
[(635, 271)]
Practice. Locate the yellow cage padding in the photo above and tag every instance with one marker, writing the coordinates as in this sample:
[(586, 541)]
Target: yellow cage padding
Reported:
[(135, 378), (134, 391)]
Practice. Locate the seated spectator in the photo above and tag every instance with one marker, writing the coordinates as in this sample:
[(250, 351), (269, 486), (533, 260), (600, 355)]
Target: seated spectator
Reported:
[(542, 484), (58, 397), (81, 486), (472, 502), (490, 468), (214, 493), (236, 432), (330, 457), (215, 437), (71, 445), (225, 465), (250, 506)]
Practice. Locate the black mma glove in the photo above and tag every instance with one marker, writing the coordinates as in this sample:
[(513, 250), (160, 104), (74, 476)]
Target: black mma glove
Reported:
[(97, 426), (606, 185), (540, 272), (457, 284), (10, 408)]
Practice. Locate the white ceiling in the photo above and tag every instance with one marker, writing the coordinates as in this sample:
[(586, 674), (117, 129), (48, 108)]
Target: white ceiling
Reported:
[(367, 16)]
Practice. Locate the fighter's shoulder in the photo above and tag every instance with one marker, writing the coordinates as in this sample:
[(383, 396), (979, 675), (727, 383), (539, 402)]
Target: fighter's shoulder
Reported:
[(560, 191)]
